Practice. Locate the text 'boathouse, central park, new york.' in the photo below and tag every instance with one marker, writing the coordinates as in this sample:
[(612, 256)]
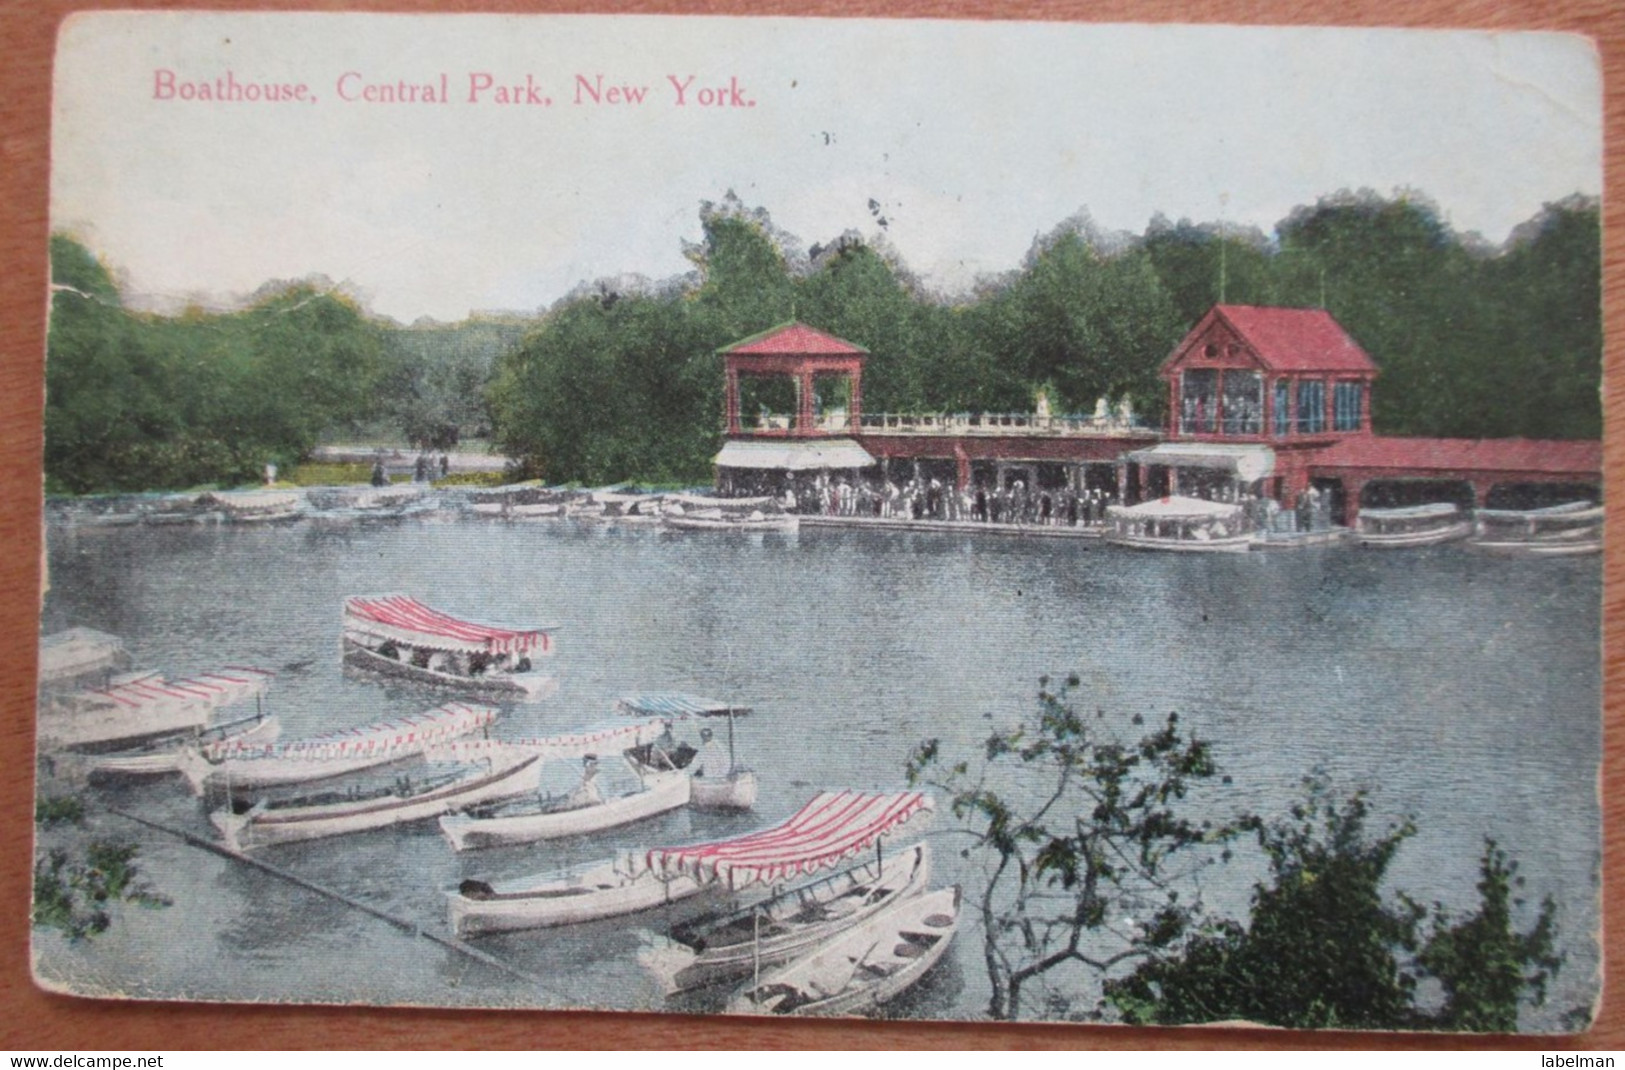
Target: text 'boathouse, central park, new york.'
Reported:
[(1268, 442)]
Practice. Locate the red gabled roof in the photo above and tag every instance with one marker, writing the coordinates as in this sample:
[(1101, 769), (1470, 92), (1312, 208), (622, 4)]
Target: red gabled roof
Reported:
[(1287, 339), (1534, 456), (795, 339)]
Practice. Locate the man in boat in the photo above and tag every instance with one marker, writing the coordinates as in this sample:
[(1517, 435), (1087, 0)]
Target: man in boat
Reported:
[(712, 760), (662, 747), (587, 792)]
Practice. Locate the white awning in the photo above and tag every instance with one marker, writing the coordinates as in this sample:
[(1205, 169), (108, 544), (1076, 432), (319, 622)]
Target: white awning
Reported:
[(801, 456), (1175, 509), (1248, 462)]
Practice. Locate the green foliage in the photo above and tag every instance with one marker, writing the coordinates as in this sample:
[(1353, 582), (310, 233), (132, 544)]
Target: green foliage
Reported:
[(73, 894), (1084, 833), (59, 810), (433, 390), (138, 402), (623, 381), (1483, 962), (1325, 948)]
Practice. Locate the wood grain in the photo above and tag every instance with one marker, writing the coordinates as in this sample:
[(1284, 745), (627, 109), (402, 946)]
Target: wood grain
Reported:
[(30, 1018)]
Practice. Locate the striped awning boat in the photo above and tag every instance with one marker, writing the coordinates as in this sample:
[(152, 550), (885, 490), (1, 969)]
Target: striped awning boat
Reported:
[(209, 690), (400, 737), (568, 746), (833, 827), (404, 619)]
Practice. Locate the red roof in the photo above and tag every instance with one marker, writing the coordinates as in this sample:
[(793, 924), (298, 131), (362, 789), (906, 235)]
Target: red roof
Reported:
[(1534, 456), (795, 339), (1287, 339)]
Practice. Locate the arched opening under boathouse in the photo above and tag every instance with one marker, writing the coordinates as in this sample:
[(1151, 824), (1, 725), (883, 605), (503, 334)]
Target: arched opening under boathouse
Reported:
[(1402, 493), (1540, 495)]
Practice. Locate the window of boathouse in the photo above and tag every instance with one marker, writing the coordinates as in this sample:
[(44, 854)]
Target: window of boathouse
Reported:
[(1243, 394), (1347, 399), (1311, 406)]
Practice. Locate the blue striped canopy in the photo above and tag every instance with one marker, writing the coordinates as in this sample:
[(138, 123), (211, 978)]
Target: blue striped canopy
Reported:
[(677, 704)]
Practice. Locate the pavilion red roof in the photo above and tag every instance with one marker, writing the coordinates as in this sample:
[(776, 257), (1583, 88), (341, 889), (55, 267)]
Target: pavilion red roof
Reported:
[(795, 339), (1287, 339), (1535, 456)]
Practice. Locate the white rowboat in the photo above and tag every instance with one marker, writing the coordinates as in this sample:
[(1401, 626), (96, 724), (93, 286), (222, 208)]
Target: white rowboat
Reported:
[(863, 969), (308, 819), (530, 822), (772, 932), (606, 890)]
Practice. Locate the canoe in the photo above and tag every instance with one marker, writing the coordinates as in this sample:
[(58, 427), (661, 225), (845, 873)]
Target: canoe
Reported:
[(605, 890), (863, 969), (334, 813), (532, 821), (777, 930)]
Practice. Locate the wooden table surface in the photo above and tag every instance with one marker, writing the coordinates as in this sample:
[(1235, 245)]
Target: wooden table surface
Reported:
[(30, 1018)]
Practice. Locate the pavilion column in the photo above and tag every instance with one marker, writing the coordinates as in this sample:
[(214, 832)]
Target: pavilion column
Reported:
[(855, 410), (804, 406), (961, 468), (730, 403)]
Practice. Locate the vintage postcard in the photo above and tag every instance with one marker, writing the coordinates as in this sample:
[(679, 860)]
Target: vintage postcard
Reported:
[(972, 521)]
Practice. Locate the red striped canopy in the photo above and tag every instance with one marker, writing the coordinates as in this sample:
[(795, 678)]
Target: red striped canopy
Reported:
[(210, 689), (404, 736), (570, 746), (404, 619), (834, 826)]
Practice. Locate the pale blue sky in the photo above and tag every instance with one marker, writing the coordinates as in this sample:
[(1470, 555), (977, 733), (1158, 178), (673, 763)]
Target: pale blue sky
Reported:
[(973, 137)]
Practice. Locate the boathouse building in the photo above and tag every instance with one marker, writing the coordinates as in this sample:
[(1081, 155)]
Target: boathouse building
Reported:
[(1273, 401)]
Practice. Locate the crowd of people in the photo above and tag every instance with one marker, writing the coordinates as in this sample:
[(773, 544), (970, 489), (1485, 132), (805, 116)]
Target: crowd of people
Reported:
[(923, 498)]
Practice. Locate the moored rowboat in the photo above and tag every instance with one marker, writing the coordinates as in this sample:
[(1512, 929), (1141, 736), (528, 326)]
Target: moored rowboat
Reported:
[(606, 890), (528, 822), (832, 827), (1411, 526), (245, 765), (862, 969), (334, 814), (708, 950)]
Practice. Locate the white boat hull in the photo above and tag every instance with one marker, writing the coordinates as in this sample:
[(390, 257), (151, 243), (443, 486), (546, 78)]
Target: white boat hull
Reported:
[(520, 686), (1541, 547), (164, 760), (790, 925), (863, 969), (1404, 539), (690, 522), (263, 828), (662, 792), (604, 891), (736, 791), (1230, 544), (93, 727)]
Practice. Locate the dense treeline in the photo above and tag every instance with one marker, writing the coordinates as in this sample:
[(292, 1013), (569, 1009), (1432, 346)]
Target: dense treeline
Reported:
[(136, 401), (1471, 341), (621, 380)]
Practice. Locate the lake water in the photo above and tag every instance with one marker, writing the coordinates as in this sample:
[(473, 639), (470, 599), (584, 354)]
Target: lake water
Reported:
[(1459, 688)]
